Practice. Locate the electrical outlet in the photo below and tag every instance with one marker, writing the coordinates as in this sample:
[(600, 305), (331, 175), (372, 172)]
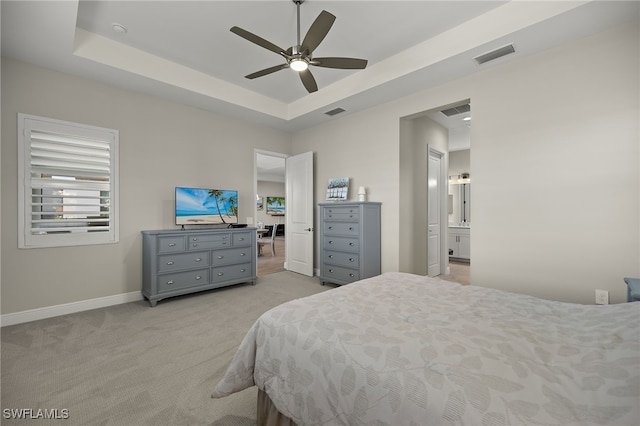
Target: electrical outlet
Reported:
[(602, 297)]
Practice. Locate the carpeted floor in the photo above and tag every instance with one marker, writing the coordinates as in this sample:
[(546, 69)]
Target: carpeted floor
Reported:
[(134, 365)]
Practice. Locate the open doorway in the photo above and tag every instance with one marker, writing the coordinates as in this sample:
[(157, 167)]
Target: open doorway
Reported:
[(447, 130), (456, 119), (270, 214)]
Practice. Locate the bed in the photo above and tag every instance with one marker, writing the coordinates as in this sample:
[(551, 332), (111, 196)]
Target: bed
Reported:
[(401, 349)]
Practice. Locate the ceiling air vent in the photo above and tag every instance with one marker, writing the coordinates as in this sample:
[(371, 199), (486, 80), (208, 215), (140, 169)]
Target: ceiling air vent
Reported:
[(456, 110), (495, 54), (335, 111)]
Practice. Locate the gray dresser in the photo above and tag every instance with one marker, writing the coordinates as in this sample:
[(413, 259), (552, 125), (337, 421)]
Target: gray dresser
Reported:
[(349, 241), (176, 262)]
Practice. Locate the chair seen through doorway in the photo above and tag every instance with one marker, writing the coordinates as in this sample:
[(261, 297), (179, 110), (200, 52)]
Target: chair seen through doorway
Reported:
[(268, 239)]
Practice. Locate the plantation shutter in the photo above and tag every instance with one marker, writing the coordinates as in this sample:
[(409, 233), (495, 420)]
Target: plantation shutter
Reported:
[(69, 183)]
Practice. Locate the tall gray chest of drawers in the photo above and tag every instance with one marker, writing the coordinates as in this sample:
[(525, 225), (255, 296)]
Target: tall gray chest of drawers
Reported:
[(176, 262), (349, 241)]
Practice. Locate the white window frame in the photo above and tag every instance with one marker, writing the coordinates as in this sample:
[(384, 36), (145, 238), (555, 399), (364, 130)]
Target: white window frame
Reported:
[(77, 165)]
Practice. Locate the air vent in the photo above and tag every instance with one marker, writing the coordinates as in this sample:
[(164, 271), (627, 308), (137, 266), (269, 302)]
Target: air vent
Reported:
[(495, 54), (456, 110), (335, 111)]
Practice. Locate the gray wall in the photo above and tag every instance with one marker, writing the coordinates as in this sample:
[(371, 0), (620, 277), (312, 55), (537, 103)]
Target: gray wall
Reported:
[(555, 167), (162, 145), (564, 124)]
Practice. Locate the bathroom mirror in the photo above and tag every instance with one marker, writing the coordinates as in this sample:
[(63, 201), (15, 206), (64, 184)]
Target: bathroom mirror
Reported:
[(460, 200)]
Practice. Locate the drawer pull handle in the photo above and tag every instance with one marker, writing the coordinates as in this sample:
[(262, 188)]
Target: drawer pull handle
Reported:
[(331, 227), (243, 254), (331, 270), (172, 244), (351, 275), (220, 274), (241, 238), (330, 256), (351, 228), (224, 237), (242, 270), (351, 259), (199, 259), (330, 242), (195, 245), (170, 282), (220, 257), (351, 244), (195, 239), (198, 277), (170, 262)]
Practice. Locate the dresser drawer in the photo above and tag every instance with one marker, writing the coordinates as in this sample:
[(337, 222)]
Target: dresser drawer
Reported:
[(180, 261), (342, 243), (170, 244), (184, 279), (231, 272), (197, 242), (351, 260), (241, 239), (341, 274), (348, 229), (342, 213), (230, 256)]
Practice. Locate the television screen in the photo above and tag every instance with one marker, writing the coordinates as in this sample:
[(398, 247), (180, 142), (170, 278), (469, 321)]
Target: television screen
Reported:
[(206, 206)]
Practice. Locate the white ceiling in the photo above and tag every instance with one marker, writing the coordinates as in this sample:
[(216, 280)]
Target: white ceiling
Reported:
[(184, 51)]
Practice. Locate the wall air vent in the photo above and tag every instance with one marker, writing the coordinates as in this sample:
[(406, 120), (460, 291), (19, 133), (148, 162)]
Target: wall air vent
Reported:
[(335, 111), (495, 54), (456, 110)]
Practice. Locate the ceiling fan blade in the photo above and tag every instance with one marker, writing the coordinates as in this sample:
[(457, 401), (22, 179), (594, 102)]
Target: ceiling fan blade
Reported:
[(342, 63), (266, 71), (308, 81), (318, 31), (257, 40)]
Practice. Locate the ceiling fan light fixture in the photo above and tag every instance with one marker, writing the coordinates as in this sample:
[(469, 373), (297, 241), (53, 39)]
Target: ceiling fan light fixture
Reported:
[(298, 64)]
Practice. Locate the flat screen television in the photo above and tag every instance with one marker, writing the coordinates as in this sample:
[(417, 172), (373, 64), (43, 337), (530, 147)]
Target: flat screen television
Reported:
[(206, 206)]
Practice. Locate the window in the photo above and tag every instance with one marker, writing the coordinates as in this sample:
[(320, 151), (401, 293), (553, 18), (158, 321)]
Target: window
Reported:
[(67, 183)]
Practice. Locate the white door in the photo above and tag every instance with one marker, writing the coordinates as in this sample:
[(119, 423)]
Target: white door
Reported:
[(434, 209), (300, 208)]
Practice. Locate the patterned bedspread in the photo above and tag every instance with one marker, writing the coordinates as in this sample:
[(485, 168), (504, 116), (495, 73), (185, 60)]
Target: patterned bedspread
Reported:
[(402, 349)]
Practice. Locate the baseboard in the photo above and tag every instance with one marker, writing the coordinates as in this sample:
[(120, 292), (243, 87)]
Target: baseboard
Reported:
[(68, 308)]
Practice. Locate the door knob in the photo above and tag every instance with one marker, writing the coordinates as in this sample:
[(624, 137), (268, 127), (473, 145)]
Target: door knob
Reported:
[(309, 229)]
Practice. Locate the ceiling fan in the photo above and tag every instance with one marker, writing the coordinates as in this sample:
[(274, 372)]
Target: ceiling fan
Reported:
[(299, 57)]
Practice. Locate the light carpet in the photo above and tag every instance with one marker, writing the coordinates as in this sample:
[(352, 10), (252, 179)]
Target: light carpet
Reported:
[(131, 364)]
